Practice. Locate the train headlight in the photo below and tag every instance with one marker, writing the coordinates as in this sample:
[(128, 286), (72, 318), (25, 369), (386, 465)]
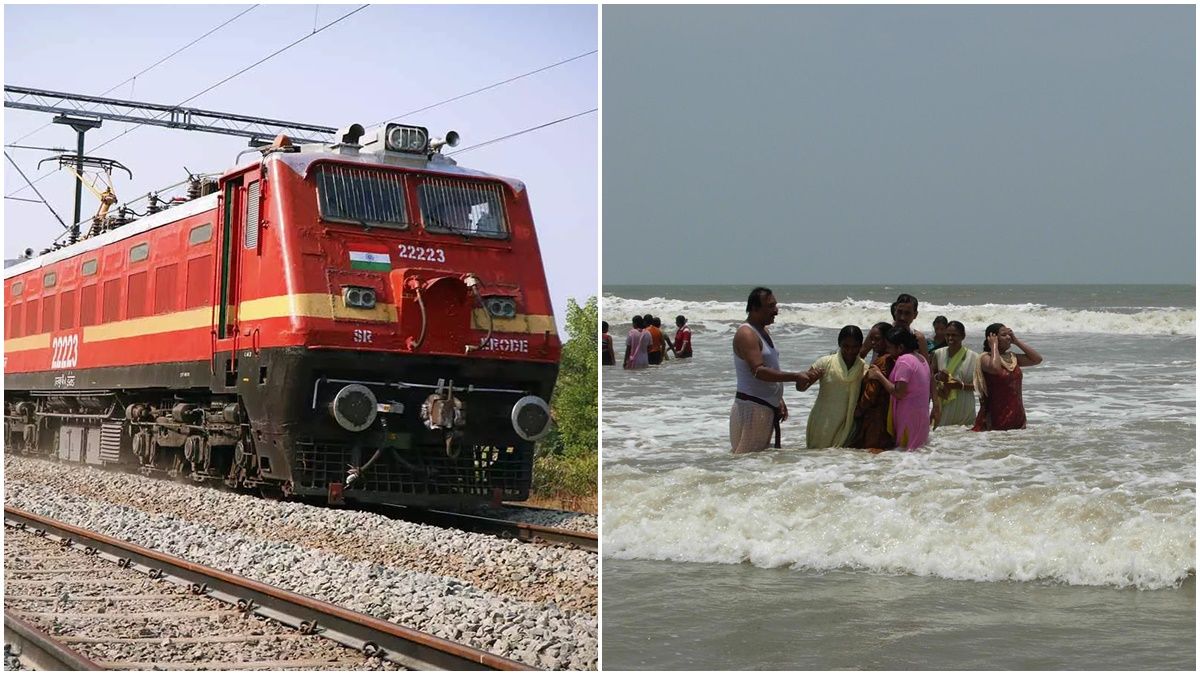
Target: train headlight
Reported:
[(358, 296), (501, 307), (531, 418), (354, 407), (403, 138)]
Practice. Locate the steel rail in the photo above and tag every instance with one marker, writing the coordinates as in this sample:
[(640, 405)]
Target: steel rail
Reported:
[(512, 529), (39, 649), (375, 637)]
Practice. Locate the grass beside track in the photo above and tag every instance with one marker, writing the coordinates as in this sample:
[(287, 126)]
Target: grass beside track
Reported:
[(566, 482)]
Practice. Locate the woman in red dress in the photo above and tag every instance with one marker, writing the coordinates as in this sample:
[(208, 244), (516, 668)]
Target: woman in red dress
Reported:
[(998, 380)]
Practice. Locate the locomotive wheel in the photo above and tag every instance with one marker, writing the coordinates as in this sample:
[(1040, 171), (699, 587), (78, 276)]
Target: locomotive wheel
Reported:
[(191, 449), (140, 448), (178, 464)]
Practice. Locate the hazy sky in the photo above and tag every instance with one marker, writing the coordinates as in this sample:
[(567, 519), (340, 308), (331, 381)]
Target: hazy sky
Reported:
[(381, 62), (869, 144)]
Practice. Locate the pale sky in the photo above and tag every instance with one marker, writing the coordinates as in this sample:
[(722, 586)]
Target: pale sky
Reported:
[(892, 144), (383, 61)]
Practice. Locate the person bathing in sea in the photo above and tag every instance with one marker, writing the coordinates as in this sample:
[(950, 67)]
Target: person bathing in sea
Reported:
[(955, 378), (758, 407), (871, 415), (637, 343), (940, 324), (683, 338), (608, 357), (664, 341), (904, 312), (872, 347), (998, 380), (840, 375), (909, 386)]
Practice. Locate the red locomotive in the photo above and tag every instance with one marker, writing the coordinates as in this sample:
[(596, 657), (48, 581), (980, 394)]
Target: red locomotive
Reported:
[(364, 320)]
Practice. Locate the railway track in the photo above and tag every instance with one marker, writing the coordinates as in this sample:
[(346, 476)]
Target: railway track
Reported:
[(500, 527), (67, 606)]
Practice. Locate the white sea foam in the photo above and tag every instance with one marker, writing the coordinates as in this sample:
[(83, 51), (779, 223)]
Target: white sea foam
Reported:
[(955, 524), (1024, 318)]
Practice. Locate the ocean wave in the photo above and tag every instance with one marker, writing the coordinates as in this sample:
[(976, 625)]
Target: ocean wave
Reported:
[(952, 525), (1024, 318)]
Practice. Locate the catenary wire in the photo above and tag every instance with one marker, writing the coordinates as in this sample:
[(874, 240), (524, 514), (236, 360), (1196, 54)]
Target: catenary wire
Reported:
[(211, 87), (35, 190), (490, 86), (150, 67), (522, 132), (35, 147)]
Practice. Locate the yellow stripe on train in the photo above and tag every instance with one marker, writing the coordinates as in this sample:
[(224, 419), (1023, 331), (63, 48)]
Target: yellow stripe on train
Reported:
[(310, 305)]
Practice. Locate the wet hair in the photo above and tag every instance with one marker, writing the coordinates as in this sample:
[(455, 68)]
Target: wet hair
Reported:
[(940, 320), (902, 299), (882, 328), (850, 332), (656, 322), (958, 324), (904, 338), (680, 320), (756, 298), (604, 326), (993, 329), (639, 322)]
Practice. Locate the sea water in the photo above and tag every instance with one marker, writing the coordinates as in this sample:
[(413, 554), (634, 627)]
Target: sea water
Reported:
[(1069, 544)]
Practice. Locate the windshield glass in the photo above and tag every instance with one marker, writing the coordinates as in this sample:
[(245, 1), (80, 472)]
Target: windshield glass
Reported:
[(466, 207), (363, 196)]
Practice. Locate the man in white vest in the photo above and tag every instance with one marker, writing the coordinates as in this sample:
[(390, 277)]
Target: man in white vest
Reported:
[(758, 406)]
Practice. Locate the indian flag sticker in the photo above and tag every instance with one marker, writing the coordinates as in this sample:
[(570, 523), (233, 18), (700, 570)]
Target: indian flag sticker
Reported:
[(374, 259)]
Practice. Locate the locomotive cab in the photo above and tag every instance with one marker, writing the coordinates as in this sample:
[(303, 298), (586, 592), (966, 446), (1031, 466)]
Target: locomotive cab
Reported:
[(384, 317)]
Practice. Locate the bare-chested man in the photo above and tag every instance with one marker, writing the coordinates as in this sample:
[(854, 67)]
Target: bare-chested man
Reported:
[(904, 312)]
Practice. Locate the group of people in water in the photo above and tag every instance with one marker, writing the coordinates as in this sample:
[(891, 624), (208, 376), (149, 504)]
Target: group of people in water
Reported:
[(647, 344), (880, 391)]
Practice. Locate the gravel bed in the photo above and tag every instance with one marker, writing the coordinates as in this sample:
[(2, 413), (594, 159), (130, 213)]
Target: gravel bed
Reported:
[(534, 604), (566, 520), (110, 613)]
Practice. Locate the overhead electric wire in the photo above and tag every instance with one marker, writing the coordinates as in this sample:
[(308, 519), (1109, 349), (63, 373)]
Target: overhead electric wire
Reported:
[(35, 190), (35, 147), (152, 66), (214, 86), (243, 70), (522, 132), (490, 86)]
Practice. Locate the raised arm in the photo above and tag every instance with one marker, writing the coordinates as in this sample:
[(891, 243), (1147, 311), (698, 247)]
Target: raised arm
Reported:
[(990, 362), (1030, 357)]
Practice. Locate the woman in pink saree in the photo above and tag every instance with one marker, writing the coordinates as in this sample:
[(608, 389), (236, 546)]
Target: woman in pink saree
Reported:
[(909, 387)]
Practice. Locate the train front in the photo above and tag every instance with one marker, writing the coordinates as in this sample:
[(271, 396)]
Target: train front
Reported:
[(423, 349)]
